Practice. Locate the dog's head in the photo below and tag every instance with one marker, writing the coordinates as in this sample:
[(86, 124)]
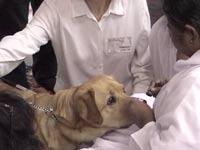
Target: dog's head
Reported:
[(102, 102)]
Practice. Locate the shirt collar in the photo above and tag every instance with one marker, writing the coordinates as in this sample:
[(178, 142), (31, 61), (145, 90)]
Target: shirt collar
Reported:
[(116, 7), (194, 60), (80, 8)]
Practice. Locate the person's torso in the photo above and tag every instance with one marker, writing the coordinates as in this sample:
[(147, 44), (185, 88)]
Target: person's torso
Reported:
[(85, 47)]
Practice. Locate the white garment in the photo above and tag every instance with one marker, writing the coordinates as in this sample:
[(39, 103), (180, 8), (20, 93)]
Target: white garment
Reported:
[(163, 51), (117, 45), (177, 112)]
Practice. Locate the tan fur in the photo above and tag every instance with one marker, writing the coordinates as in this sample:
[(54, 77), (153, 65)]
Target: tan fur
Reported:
[(82, 112)]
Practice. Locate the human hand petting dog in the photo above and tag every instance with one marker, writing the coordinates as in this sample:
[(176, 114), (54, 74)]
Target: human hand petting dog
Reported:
[(155, 87), (40, 89)]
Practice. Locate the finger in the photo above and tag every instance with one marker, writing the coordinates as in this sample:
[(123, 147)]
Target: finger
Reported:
[(160, 83), (149, 92), (155, 91), (152, 84)]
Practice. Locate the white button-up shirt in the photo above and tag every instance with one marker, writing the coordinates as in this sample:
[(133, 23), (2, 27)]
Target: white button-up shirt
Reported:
[(117, 45), (177, 112)]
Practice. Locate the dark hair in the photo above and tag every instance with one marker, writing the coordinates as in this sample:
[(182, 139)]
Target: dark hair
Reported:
[(182, 12), (16, 124)]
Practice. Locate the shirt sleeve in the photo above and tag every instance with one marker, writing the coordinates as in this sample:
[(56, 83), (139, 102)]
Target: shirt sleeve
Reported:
[(177, 119), (7, 67), (163, 52), (141, 67), (28, 41)]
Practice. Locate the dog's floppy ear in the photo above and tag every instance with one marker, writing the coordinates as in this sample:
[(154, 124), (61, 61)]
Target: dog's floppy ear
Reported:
[(87, 108)]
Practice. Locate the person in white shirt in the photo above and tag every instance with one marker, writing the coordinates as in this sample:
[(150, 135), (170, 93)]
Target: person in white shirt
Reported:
[(177, 106), (89, 38), (163, 55)]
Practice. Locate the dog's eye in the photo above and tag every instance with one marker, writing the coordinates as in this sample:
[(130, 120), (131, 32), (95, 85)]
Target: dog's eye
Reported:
[(111, 100)]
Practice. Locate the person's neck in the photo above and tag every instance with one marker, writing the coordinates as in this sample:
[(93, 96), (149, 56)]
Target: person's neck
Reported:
[(181, 56), (98, 7)]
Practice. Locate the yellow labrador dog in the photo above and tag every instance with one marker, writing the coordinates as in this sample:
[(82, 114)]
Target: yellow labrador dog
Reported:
[(80, 114)]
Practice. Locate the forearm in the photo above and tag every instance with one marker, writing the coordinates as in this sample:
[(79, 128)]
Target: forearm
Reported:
[(141, 70), (141, 66)]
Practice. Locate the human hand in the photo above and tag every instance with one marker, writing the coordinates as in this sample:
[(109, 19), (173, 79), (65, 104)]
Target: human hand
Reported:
[(155, 87), (40, 89)]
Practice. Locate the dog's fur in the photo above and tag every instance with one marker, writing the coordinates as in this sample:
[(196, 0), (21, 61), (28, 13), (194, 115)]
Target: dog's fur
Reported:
[(82, 113)]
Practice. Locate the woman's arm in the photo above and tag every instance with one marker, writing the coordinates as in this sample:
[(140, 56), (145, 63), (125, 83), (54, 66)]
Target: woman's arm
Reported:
[(28, 41)]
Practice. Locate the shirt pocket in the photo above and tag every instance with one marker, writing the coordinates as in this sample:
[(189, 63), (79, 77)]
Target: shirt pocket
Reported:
[(119, 45)]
